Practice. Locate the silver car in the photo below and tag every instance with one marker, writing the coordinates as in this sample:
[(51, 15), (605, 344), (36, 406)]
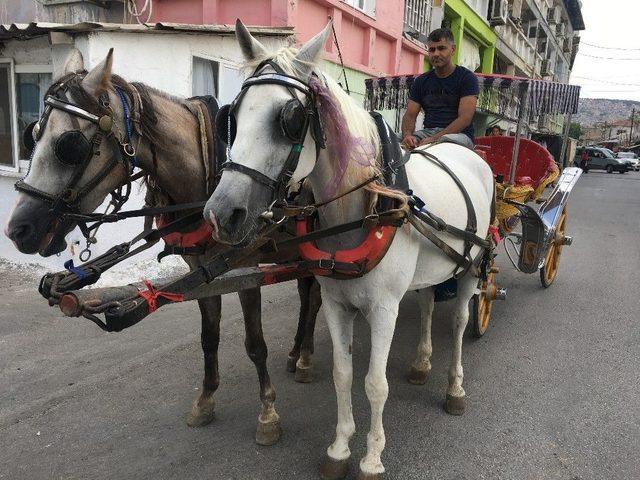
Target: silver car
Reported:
[(631, 159)]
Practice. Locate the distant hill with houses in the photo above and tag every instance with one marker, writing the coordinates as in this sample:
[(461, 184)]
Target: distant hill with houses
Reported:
[(597, 110)]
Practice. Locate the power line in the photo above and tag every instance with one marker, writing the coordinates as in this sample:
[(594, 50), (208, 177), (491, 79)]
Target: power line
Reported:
[(608, 81), (610, 48), (608, 58)]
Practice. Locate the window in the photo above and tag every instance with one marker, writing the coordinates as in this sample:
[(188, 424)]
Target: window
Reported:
[(204, 80), (30, 89), (417, 18), (367, 6), (7, 141)]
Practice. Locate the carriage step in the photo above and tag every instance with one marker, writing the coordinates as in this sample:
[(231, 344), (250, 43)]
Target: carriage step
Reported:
[(567, 240)]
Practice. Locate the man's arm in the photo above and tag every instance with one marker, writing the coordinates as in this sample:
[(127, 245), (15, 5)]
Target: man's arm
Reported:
[(466, 111), (409, 124)]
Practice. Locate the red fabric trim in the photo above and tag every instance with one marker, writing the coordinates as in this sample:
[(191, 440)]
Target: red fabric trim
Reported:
[(200, 236), (495, 233), (151, 296), (369, 252)]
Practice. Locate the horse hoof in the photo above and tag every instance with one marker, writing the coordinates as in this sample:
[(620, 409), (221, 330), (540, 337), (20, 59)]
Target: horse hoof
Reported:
[(202, 412), (454, 405), (418, 377), (334, 469), (370, 476), (291, 363), (303, 374), (268, 433)]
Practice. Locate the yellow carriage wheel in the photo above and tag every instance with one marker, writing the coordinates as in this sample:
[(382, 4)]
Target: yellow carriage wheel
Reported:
[(549, 270)]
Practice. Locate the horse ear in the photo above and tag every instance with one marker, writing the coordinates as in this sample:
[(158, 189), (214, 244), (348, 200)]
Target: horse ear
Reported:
[(251, 48), (311, 51), (98, 80), (74, 62)]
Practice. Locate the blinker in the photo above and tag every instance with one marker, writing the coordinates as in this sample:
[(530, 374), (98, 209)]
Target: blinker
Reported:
[(28, 137), (72, 148)]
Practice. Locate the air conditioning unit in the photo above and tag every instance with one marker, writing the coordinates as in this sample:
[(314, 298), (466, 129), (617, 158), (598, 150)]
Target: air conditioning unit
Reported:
[(546, 70), (561, 29), (554, 15), (499, 13)]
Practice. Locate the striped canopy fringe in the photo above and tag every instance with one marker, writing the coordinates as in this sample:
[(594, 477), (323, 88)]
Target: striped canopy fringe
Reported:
[(498, 94)]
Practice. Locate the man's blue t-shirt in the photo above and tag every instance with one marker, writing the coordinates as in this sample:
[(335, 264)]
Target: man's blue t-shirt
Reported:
[(440, 97)]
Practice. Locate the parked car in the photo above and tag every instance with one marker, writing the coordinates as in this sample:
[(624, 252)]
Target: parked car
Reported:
[(633, 162), (602, 159)]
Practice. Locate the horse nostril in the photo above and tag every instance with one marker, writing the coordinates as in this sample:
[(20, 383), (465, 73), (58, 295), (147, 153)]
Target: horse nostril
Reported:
[(19, 232), (237, 218)]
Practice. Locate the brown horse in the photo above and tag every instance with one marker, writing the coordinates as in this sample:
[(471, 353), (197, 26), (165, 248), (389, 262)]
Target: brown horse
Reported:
[(169, 150)]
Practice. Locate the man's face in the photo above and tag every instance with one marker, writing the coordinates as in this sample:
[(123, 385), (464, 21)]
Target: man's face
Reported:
[(440, 53)]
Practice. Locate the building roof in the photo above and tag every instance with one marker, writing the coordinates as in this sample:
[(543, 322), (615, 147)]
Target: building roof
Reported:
[(24, 31), (574, 9), (625, 122)]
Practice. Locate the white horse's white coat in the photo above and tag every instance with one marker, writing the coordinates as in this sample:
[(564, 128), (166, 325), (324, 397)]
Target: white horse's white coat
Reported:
[(412, 262)]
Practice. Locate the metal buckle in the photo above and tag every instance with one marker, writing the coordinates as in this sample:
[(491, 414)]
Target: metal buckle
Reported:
[(128, 149), (327, 264)]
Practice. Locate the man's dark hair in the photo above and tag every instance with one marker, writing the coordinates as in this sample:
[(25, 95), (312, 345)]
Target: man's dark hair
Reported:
[(441, 34)]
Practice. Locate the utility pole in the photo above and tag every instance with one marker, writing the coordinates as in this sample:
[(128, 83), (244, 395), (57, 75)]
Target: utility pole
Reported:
[(633, 117)]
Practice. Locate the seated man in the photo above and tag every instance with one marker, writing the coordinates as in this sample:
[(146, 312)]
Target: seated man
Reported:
[(447, 93)]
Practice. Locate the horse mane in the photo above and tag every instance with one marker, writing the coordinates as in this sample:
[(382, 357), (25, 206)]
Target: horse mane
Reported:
[(351, 134)]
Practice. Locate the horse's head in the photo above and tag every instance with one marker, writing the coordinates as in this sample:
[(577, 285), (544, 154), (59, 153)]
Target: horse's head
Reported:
[(272, 127), (76, 158)]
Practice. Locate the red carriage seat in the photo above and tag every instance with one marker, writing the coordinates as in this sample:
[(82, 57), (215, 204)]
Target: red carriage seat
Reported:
[(535, 163)]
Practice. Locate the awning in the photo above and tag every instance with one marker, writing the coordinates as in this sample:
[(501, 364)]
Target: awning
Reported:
[(25, 31)]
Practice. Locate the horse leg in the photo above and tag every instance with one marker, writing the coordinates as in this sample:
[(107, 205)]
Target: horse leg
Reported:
[(304, 287), (454, 404), (382, 321), (202, 411), (268, 430), (303, 365), (340, 321), (421, 366)]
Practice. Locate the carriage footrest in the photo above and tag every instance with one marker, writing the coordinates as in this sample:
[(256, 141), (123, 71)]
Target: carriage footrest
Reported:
[(533, 236)]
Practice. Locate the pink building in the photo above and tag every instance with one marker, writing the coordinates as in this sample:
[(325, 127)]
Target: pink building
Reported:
[(370, 32)]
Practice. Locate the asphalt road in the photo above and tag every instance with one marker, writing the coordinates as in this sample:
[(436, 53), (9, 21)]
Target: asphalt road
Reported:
[(552, 388)]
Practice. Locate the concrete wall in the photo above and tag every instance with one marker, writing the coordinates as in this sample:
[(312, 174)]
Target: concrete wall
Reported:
[(370, 44), (75, 11)]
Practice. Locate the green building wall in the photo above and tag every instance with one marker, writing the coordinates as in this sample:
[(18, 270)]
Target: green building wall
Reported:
[(466, 22)]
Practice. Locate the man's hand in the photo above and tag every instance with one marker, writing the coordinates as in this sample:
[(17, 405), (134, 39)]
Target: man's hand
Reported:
[(426, 141), (409, 141)]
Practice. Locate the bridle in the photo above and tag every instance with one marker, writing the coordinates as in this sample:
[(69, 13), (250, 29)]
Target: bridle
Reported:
[(73, 149), (294, 118)]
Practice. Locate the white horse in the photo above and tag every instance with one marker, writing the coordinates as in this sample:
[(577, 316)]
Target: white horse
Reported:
[(411, 263)]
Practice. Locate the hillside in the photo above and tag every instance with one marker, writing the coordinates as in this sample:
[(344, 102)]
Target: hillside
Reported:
[(596, 110)]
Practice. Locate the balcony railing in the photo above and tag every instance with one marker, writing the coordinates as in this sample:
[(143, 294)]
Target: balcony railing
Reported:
[(521, 45), (417, 18)]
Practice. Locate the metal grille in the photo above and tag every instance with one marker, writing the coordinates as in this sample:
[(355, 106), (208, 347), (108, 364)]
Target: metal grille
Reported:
[(417, 17)]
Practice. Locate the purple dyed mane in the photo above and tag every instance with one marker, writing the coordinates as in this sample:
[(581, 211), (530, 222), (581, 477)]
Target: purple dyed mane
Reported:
[(344, 146)]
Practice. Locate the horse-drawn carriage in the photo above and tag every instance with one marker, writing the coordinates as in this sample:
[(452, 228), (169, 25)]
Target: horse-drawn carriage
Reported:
[(523, 170), (323, 136)]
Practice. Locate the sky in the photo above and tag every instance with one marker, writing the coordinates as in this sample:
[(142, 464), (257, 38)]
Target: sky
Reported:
[(614, 24)]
